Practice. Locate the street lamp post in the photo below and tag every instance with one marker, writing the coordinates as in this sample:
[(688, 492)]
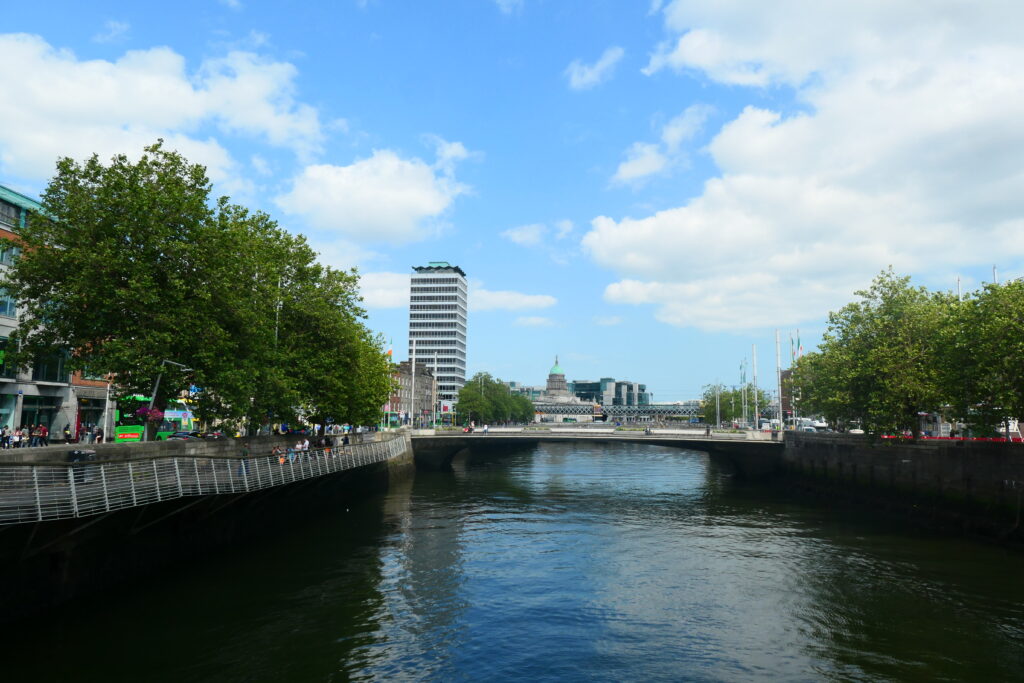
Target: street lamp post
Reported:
[(156, 385)]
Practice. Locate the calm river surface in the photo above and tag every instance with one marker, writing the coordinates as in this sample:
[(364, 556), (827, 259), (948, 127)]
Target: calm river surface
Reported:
[(563, 562)]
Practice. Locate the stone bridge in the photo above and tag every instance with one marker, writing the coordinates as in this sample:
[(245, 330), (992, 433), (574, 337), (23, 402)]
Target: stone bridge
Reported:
[(747, 457)]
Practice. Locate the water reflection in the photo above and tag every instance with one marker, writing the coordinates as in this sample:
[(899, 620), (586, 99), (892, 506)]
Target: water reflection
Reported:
[(562, 562)]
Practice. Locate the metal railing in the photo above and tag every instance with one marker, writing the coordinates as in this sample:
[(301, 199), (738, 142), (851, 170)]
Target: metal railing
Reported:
[(36, 493)]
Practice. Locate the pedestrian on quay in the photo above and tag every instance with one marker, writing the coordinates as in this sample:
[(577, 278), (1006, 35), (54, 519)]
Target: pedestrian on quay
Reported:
[(99, 435), (34, 435), (44, 435), (5, 437), (67, 434)]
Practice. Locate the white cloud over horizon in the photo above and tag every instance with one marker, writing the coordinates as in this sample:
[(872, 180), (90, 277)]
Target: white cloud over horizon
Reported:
[(391, 290), (904, 149), (382, 198), (73, 107), (644, 159), (583, 76)]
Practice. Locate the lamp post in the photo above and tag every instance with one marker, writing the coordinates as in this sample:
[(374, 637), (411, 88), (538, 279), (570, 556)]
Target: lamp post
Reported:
[(156, 385)]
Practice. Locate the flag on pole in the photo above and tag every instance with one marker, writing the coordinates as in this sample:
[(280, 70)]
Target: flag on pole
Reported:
[(391, 350), (799, 346)]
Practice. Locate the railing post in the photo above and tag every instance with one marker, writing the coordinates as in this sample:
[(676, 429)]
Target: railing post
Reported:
[(131, 483), (291, 466), (103, 479), (177, 475), (259, 479), (199, 481), (156, 480), (244, 464), (213, 469), (39, 500), (74, 493)]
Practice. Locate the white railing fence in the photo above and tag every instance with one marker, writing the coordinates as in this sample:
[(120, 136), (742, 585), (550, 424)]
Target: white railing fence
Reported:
[(35, 493)]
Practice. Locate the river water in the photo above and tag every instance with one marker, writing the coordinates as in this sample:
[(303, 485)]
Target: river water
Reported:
[(560, 562)]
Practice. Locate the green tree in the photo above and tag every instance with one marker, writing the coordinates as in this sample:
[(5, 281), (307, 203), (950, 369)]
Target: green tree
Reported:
[(880, 357), (130, 264)]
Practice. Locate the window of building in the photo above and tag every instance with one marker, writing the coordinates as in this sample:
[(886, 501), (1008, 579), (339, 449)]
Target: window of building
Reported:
[(50, 367), (10, 215), (8, 254), (8, 306)]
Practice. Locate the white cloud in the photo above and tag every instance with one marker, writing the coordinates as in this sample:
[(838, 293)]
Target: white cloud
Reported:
[(112, 31), (582, 76), (384, 290), (481, 299), (685, 127), (904, 150), (644, 159), (526, 235), (608, 320), (563, 228), (534, 321), (232, 4), (509, 6), (383, 198), (72, 107)]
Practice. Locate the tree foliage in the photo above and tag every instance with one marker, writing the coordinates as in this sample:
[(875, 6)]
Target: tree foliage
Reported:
[(131, 263), (901, 351), (485, 400), (730, 402)]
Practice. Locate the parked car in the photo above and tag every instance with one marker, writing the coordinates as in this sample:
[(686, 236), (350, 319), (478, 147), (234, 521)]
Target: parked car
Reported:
[(182, 436)]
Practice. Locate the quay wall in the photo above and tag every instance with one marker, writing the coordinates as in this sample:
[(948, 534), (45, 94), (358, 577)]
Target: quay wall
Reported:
[(974, 485), (46, 564)]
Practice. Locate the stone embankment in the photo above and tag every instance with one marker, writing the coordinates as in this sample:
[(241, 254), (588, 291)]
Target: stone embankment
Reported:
[(975, 484)]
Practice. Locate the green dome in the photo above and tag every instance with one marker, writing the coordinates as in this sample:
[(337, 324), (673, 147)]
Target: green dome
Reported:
[(556, 369)]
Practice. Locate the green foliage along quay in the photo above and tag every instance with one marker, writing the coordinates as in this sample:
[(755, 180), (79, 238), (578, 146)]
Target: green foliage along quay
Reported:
[(131, 263), (730, 402), (901, 351), (488, 400)]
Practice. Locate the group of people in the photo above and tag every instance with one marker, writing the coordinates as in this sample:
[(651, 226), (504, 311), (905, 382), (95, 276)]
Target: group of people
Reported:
[(301, 448), (24, 436)]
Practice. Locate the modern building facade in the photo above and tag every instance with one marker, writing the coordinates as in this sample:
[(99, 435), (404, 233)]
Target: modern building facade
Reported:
[(438, 306), (610, 392), (46, 393)]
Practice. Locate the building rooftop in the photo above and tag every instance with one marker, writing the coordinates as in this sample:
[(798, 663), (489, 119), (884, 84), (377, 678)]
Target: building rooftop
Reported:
[(435, 266), (18, 199)]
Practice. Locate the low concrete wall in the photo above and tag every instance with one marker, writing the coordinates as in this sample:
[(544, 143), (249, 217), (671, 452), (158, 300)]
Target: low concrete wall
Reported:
[(984, 481), (187, 448)]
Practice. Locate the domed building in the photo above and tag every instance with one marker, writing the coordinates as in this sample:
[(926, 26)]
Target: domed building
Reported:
[(557, 387), (557, 404)]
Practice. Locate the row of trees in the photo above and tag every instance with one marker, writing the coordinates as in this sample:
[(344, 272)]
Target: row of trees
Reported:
[(131, 264), (901, 351), (485, 400), (730, 402)]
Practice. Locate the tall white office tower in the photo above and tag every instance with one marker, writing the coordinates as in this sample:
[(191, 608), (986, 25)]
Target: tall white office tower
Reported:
[(438, 299)]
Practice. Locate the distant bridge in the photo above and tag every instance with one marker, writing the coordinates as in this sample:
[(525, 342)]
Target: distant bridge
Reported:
[(746, 453)]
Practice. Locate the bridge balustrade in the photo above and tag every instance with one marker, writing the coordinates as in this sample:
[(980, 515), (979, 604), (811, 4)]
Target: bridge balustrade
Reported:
[(40, 492)]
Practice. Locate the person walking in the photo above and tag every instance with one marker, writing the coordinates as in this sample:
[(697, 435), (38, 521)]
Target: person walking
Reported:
[(44, 435), (67, 434)]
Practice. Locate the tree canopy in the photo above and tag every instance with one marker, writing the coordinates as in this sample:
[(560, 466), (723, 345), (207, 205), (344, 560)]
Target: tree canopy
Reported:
[(485, 399), (131, 263), (901, 351)]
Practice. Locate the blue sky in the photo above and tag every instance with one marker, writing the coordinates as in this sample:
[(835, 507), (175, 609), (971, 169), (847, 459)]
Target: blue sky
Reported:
[(644, 188)]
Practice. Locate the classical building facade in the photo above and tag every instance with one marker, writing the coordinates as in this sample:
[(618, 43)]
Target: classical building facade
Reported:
[(402, 408), (438, 305)]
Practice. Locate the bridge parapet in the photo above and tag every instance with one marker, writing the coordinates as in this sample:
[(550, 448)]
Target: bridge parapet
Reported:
[(47, 490)]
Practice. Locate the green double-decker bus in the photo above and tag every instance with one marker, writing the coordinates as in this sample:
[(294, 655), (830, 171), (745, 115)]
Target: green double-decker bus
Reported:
[(128, 427)]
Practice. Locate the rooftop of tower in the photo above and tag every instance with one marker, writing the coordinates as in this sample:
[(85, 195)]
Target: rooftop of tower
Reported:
[(436, 266)]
